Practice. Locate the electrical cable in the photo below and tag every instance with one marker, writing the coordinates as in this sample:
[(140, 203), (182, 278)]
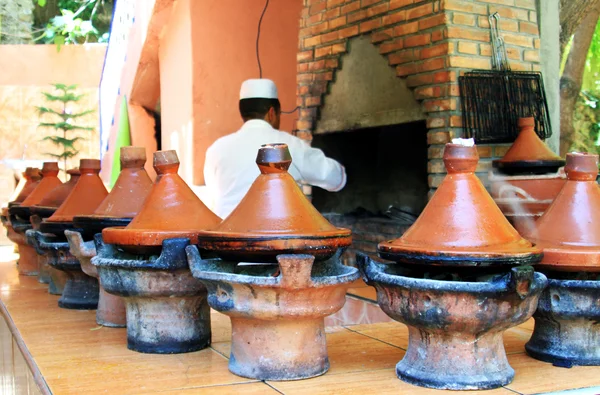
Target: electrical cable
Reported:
[(258, 51), (258, 37)]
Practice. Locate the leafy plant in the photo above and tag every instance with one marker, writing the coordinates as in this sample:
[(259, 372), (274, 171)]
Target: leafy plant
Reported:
[(66, 121), (75, 25)]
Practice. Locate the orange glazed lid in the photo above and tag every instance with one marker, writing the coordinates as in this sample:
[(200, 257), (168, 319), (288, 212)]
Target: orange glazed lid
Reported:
[(57, 196), (85, 197), (569, 231), (33, 176), (274, 217), (461, 224), (133, 185), (171, 210), (47, 184)]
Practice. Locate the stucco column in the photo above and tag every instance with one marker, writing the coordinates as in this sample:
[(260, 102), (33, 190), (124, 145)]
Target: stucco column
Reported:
[(549, 22)]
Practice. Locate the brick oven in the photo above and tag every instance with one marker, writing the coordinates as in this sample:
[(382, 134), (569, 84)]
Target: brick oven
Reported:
[(378, 90)]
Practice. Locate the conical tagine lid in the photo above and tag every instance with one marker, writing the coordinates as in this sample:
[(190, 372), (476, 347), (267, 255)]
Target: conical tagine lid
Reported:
[(569, 231), (57, 196), (47, 184), (85, 197), (461, 224), (274, 217), (171, 210), (529, 154), (33, 176)]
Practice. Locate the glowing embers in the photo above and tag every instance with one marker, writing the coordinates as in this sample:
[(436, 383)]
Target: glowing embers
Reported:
[(457, 283)]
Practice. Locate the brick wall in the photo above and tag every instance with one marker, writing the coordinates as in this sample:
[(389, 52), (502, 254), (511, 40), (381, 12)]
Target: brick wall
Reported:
[(429, 43)]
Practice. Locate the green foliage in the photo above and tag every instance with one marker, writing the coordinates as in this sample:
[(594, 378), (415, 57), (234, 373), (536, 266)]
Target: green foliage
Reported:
[(66, 121), (75, 24)]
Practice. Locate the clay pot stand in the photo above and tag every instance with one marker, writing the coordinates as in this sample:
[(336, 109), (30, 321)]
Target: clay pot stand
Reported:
[(27, 265), (80, 291), (55, 279), (530, 167), (42, 212), (111, 308), (566, 329), (455, 328), (283, 340), (92, 225), (167, 311), (454, 260)]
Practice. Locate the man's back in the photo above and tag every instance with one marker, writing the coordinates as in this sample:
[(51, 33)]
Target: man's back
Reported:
[(230, 167)]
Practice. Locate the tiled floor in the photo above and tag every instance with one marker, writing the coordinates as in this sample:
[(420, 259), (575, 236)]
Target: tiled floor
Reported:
[(75, 356)]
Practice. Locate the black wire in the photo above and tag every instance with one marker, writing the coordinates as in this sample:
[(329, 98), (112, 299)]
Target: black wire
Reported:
[(290, 112), (258, 37)]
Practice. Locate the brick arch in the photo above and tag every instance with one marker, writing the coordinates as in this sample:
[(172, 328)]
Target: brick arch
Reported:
[(429, 42)]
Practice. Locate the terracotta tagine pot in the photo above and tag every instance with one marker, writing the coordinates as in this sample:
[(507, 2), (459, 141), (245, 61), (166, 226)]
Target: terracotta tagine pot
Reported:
[(53, 199), (80, 291), (32, 177), (461, 224), (566, 329), (274, 218), (145, 263), (455, 283), (277, 310), (118, 208), (171, 210), (19, 218), (528, 154)]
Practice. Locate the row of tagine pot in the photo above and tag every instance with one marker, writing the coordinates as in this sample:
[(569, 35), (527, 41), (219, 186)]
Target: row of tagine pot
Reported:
[(458, 278)]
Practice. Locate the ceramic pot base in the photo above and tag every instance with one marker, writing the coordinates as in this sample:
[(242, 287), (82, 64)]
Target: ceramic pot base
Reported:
[(80, 291), (43, 270), (27, 265), (167, 310), (566, 329), (58, 279), (277, 311), (455, 327)]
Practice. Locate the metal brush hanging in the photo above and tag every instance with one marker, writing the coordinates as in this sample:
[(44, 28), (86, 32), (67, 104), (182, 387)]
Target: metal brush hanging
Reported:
[(493, 100)]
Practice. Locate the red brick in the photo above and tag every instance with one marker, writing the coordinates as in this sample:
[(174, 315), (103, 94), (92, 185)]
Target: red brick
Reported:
[(337, 22), (507, 25), (437, 35), (433, 64), (313, 101), (420, 11), (304, 135), (331, 63), (312, 41), (378, 9), (417, 40), (391, 46), (302, 90), (536, 43), (315, 66), (529, 28), (429, 92), (435, 181), (333, 3), (304, 125), (302, 68), (463, 19), (333, 13), (464, 6), (370, 25), (366, 3), (395, 4), (406, 28), (357, 16), (322, 51), (435, 152), (439, 105), (513, 53), (308, 113), (467, 47), (304, 77), (454, 90), (314, 19), (517, 39), (349, 32), (438, 138), (350, 7), (328, 76), (444, 76), (380, 36), (485, 49), (419, 79), (394, 18), (502, 2), (304, 56), (530, 4), (510, 12), (520, 66), (437, 50), (317, 7), (338, 48), (456, 121), (532, 56), (484, 151), (402, 57), (466, 33), (319, 28), (328, 37), (406, 69), (435, 122), (469, 62), (435, 20)]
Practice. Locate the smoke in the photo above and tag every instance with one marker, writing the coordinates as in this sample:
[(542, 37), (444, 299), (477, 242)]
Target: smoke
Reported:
[(521, 209)]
